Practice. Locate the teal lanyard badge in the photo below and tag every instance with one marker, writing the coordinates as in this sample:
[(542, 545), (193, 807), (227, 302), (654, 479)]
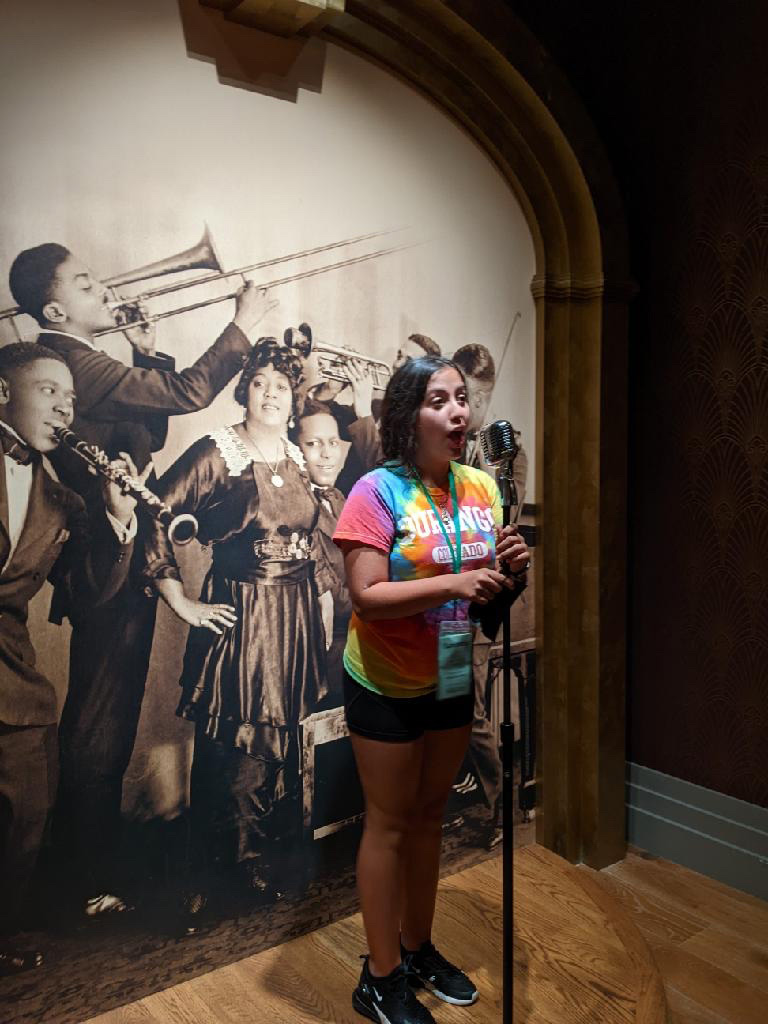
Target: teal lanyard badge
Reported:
[(454, 639)]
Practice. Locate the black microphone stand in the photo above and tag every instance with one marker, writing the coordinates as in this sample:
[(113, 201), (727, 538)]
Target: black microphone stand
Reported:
[(506, 751)]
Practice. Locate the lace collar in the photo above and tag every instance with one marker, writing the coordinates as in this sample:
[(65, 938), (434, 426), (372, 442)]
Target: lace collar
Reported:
[(236, 456)]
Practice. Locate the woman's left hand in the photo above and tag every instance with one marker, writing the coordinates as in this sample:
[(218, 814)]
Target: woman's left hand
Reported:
[(511, 549)]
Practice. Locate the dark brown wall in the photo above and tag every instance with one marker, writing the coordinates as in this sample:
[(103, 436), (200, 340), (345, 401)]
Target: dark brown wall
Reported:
[(680, 99)]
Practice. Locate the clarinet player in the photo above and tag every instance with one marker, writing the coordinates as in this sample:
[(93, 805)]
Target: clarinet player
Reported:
[(119, 408), (44, 533)]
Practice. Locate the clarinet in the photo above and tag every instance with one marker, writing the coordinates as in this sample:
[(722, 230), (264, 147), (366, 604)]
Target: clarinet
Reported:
[(181, 528)]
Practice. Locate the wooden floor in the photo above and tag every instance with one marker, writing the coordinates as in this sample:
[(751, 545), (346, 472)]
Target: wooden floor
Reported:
[(583, 944), (710, 941)]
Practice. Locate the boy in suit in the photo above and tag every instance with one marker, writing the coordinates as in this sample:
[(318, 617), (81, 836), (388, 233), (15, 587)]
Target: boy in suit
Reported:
[(44, 534), (119, 408), (317, 434)]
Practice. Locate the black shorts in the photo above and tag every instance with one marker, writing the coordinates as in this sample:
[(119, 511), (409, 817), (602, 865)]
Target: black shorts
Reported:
[(401, 719)]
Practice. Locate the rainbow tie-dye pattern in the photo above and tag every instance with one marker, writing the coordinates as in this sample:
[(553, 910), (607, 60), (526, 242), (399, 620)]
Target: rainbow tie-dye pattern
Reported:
[(387, 509)]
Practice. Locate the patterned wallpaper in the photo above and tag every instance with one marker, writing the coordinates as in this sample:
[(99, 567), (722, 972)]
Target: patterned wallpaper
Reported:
[(678, 95), (699, 696), (699, 626)]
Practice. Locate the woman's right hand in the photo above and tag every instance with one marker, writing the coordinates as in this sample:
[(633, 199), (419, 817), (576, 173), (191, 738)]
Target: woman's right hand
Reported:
[(479, 585), (216, 617)]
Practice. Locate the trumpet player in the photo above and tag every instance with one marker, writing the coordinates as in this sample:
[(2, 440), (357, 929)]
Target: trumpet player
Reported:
[(119, 408), (44, 533), (357, 422)]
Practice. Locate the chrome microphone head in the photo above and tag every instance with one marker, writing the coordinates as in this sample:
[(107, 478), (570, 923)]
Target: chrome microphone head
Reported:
[(499, 441)]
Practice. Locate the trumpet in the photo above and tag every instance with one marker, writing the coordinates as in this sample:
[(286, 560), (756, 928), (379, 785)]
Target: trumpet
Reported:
[(333, 360), (333, 364), (181, 528)]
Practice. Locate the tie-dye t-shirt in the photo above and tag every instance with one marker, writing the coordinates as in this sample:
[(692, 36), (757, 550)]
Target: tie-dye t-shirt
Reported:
[(388, 510)]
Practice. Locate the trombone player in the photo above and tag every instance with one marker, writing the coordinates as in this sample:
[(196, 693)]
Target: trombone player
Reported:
[(119, 408)]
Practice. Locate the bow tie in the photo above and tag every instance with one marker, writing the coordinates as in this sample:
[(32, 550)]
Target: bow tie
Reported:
[(325, 493), (16, 449)]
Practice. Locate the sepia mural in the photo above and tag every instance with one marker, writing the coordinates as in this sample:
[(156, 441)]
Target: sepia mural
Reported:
[(230, 278)]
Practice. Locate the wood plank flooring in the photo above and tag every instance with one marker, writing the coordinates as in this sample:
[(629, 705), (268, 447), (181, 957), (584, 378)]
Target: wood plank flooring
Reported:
[(710, 941), (574, 962), (582, 941)]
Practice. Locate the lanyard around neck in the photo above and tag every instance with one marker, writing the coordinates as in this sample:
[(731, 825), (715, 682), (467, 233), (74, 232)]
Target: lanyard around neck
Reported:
[(455, 552)]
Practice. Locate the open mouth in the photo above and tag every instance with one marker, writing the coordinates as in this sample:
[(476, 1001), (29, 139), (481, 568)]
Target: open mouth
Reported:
[(456, 437)]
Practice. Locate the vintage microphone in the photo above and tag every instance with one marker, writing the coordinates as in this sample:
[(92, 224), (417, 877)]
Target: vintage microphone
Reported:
[(500, 448)]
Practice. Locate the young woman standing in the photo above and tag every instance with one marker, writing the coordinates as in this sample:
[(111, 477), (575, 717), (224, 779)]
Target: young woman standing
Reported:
[(421, 539)]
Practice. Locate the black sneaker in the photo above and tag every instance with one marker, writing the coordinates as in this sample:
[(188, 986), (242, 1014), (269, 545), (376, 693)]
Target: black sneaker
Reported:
[(431, 970), (389, 1000)]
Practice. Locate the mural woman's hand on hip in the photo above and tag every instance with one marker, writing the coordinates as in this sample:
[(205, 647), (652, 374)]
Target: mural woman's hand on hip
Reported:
[(216, 617)]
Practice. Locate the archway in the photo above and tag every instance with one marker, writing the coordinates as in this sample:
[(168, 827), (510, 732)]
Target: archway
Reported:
[(483, 68)]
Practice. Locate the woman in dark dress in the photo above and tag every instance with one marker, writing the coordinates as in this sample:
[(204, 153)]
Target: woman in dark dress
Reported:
[(254, 663)]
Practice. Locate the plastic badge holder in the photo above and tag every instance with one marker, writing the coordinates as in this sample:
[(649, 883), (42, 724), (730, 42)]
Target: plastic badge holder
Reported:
[(454, 659)]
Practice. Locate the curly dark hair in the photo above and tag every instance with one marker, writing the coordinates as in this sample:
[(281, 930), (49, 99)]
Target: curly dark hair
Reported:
[(401, 404), (476, 362), (284, 360)]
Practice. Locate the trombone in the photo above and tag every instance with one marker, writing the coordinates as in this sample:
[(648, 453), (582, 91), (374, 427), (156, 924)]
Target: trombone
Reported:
[(129, 311), (134, 304)]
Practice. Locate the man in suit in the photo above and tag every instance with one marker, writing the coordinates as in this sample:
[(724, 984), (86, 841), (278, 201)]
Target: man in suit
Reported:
[(44, 534), (119, 408)]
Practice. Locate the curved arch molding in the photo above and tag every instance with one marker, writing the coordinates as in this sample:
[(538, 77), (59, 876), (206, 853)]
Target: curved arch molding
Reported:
[(482, 67)]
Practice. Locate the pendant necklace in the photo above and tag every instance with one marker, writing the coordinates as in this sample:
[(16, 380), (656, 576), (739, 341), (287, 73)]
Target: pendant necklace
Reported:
[(276, 480), (443, 509)]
